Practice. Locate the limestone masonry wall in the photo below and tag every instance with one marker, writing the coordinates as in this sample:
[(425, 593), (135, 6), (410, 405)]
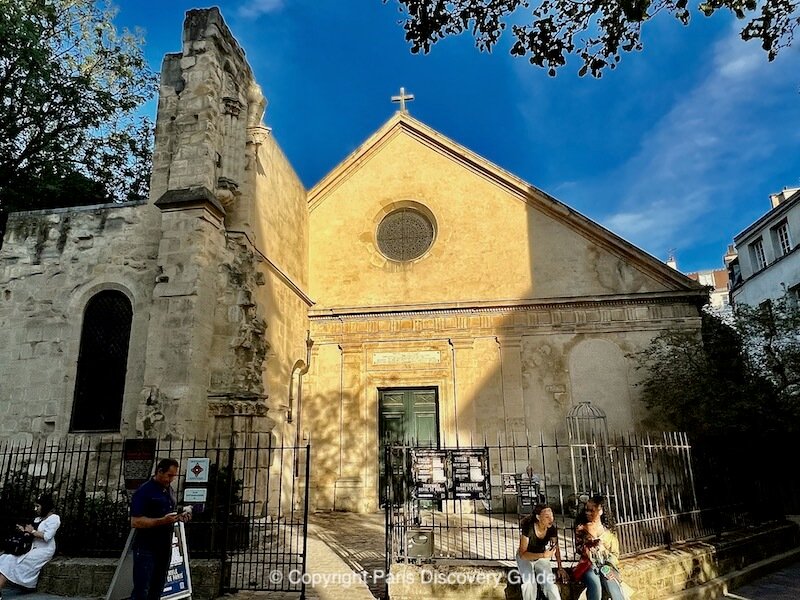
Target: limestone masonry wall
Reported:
[(51, 263)]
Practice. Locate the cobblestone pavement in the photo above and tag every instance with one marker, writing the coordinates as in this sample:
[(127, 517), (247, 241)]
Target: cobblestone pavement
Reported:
[(11, 593), (781, 585), (357, 540), (344, 551)]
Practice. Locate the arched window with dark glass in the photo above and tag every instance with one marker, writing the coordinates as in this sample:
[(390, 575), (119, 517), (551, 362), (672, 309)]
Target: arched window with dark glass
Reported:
[(102, 363)]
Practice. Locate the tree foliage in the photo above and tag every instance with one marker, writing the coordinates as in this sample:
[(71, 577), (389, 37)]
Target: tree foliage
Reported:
[(772, 334), (598, 31), (737, 377), (70, 84)]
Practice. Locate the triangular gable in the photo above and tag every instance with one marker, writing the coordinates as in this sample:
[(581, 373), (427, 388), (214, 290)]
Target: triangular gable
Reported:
[(402, 123)]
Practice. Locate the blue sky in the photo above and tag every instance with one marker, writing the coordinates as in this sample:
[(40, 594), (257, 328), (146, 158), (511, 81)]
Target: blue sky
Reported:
[(678, 148)]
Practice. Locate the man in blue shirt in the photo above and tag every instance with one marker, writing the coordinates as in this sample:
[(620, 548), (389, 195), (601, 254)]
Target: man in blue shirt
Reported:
[(153, 517)]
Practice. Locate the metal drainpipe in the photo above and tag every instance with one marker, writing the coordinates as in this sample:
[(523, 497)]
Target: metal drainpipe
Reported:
[(297, 365), (303, 370)]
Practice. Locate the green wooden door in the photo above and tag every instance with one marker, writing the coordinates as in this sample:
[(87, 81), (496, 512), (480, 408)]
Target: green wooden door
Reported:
[(408, 416)]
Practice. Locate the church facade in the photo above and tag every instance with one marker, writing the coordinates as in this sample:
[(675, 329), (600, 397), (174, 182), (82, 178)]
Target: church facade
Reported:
[(417, 292)]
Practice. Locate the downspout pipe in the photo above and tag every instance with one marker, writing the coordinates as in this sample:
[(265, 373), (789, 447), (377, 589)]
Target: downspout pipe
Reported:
[(301, 368)]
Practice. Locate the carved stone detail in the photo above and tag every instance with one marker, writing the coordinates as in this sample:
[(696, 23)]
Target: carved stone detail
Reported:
[(227, 191), (258, 135), (232, 106), (237, 408), (238, 370)]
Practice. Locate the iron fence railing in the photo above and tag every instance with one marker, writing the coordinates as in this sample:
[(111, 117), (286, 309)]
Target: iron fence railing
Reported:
[(255, 518), (648, 481)]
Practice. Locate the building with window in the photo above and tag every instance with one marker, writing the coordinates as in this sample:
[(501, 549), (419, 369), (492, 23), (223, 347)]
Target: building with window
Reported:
[(717, 280), (767, 261), (417, 292)]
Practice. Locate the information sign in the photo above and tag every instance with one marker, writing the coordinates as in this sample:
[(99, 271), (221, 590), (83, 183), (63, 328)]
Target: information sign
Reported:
[(429, 472), (509, 484), (529, 493), (195, 495), (179, 580), (138, 457), (470, 473), (197, 470)]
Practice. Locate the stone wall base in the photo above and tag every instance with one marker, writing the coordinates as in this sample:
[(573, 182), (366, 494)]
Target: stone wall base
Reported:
[(652, 576), (91, 577)]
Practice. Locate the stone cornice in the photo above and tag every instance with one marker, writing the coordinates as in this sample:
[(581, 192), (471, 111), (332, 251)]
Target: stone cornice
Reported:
[(189, 198), (507, 306), (505, 325)]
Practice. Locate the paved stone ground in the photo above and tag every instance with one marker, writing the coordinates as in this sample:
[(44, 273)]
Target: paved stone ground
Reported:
[(343, 546), (781, 585), (11, 593), (344, 552)]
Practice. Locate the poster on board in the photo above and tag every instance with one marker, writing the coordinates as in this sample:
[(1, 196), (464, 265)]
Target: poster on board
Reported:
[(138, 458), (470, 469), (429, 472), (179, 580)]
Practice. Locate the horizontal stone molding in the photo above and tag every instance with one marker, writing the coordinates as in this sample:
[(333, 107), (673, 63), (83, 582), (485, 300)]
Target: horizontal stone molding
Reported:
[(505, 306), (193, 197), (506, 324), (230, 407)]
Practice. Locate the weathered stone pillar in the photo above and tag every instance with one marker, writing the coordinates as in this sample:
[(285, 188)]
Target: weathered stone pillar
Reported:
[(322, 415), (466, 394), (350, 492), (510, 348), (180, 331)]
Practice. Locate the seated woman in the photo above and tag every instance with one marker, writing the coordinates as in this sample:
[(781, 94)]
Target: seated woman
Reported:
[(538, 543), (597, 544), (24, 570)]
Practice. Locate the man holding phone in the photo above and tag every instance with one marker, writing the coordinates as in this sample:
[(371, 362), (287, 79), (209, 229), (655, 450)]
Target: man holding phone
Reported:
[(153, 517)]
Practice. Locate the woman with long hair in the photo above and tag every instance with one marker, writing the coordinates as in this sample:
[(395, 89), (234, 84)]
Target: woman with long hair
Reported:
[(599, 549), (538, 543), (24, 570)]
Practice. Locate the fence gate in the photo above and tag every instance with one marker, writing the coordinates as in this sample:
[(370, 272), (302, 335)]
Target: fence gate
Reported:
[(265, 524), (465, 503), (255, 519)]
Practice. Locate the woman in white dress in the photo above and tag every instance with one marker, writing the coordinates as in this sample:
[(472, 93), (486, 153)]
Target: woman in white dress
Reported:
[(24, 570)]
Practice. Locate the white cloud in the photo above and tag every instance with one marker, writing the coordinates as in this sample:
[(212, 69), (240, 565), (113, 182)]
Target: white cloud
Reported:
[(255, 8), (694, 157)]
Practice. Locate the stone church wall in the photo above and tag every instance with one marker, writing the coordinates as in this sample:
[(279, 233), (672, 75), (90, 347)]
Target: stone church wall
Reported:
[(277, 222), (497, 374), (51, 263), (520, 309)]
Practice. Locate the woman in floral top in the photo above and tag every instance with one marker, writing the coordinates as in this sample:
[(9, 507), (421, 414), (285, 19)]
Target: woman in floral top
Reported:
[(597, 543)]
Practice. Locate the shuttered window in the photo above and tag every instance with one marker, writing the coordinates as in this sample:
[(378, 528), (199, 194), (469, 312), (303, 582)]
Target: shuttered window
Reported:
[(102, 363)]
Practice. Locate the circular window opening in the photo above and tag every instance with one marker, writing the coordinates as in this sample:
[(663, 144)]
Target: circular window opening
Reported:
[(405, 234)]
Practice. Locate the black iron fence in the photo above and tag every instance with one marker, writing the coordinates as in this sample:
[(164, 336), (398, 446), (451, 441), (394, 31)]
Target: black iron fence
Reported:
[(254, 519), (466, 503)]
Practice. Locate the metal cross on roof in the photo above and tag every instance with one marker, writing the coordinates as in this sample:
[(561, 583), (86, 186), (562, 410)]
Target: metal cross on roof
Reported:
[(402, 99)]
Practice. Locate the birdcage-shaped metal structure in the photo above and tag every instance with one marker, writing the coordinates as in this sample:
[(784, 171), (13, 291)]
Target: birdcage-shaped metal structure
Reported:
[(587, 424), (588, 442)]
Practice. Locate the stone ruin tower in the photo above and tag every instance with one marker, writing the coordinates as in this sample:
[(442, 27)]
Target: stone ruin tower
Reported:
[(212, 273), (215, 166)]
